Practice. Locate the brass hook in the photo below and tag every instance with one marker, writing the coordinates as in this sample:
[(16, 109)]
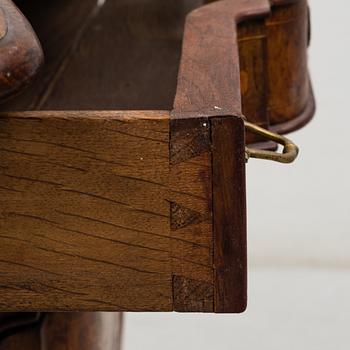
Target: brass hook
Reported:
[(290, 150)]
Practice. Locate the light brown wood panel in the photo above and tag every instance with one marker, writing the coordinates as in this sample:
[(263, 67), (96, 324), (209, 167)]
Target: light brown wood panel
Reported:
[(289, 90), (21, 55), (252, 42), (84, 211), (229, 211)]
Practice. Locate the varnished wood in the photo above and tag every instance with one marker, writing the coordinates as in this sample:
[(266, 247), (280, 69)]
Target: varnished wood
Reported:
[(229, 211), (289, 87), (88, 331), (213, 86), (275, 85), (20, 52), (59, 39), (191, 219), (88, 198), (85, 211), (125, 210), (275, 92), (70, 331), (11, 321), (252, 43)]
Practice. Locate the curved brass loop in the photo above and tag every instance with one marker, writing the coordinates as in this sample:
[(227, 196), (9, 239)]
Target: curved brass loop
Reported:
[(290, 150)]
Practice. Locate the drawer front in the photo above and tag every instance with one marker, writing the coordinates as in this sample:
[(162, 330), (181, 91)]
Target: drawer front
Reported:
[(105, 211)]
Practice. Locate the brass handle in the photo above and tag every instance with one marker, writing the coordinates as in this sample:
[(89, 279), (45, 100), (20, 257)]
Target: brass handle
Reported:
[(290, 150)]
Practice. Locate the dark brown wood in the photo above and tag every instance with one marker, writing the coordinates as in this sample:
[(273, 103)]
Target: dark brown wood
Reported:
[(123, 55), (190, 247), (20, 52), (10, 321), (88, 331), (74, 210), (24, 338), (148, 205), (289, 92), (209, 88), (229, 212), (70, 331), (252, 42), (69, 79)]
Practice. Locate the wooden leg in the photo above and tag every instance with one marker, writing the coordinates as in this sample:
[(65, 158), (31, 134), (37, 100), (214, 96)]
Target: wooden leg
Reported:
[(88, 331), (24, 338), (69, 331)]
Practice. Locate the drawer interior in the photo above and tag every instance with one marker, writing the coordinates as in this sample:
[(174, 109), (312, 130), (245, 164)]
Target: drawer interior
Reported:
[(105, 54)]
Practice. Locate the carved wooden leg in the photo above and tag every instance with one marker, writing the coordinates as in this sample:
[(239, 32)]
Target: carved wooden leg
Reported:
[(57, 331)]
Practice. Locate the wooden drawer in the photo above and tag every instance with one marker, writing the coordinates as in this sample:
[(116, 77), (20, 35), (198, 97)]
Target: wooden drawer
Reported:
[(115, 196), (97, 213)]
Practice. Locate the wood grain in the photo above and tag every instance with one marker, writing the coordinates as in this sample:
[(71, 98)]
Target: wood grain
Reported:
[(252, 43), (88, 331), (70, 331), (229, 211), (288, 84), (3, 24), (59, 39), (275, 92), (206, 120), (211, 87), (85, 199)]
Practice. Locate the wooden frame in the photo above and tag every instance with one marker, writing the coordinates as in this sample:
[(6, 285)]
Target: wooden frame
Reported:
[(137, 210)]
